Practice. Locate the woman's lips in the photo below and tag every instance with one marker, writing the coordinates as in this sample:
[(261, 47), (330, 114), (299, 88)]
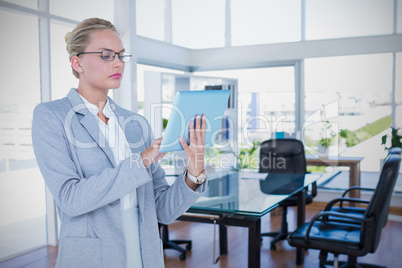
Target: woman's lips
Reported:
[(116, 75)]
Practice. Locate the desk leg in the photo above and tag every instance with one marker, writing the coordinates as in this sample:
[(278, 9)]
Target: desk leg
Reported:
[(223, 239), (354, 180), (254, 243), (301, 219)]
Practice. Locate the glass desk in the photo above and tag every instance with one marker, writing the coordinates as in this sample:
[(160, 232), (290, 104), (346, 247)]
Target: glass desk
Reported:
[(241, 199)]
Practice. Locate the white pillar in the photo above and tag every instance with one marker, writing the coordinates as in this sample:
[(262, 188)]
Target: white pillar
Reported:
[(300, 97), (228, 24), (45, 85), (168, 21), (125, 22)]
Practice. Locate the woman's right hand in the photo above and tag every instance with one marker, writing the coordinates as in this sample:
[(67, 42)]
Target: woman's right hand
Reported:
[(151, 154)]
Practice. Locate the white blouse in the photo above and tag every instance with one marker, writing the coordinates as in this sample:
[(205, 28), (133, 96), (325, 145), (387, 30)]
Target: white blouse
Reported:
[(129, 203)]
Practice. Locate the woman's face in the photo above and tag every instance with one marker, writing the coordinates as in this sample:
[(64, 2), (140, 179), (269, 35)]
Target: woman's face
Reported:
[(98, 73)]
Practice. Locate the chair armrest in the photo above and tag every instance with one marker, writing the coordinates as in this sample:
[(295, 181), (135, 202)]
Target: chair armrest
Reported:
[(343, 199), (314, 189), (357, 188), (325, 214)]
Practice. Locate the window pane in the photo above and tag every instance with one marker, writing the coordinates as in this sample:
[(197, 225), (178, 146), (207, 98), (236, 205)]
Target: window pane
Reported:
[(25, 3), (398, 119), (399, 16), (150, 18), (62, 76), (345, 18), (198, 23), (80, 10), (22, 189), (266, 101), (398, 82), (262, 22), (354, 94), (141, 68)]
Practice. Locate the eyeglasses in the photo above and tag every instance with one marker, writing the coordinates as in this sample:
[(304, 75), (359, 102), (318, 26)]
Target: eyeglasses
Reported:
[(109, 55)]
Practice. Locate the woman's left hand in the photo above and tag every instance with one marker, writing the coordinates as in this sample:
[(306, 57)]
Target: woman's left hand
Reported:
[(195, 151), (151, 154)]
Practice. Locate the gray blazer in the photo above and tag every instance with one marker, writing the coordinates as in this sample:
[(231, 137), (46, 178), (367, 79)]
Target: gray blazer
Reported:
[(77, 165)]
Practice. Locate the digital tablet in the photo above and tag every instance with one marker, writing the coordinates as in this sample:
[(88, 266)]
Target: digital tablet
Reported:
[(187, 105)]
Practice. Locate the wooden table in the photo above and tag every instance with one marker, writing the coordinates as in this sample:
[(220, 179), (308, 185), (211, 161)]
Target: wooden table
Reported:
[(352, 162)]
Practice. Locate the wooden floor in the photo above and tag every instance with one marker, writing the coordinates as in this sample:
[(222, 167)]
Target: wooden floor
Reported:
[(201, 255)]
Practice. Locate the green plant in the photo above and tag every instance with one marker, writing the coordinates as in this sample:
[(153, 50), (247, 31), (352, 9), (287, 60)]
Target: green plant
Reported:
[(164, 123), (327, 141), (395, 139), (246, 156)]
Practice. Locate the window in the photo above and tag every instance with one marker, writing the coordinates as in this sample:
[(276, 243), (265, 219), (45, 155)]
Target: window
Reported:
[(266, 102), (150, 18), (354, 94), (22, 189), (345, 18), (62, 77), (398, 91), (262, 22), (399, 17), (80, 10), (25, 3), (198, 23), (168, 85)]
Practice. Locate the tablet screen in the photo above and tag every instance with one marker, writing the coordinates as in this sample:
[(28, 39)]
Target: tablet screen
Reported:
[(187, 105)]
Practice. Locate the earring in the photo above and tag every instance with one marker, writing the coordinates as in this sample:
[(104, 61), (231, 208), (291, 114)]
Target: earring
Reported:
[(81, 70)]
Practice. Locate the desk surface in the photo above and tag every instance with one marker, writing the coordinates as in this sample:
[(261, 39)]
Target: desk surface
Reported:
[(236, 193), (333, 160)]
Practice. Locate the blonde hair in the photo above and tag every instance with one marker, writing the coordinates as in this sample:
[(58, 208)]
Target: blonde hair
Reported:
[(78, 39)]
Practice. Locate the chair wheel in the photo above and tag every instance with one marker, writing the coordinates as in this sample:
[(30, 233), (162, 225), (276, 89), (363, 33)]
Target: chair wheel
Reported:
[(182, 256), (189, 246), (273, 247)]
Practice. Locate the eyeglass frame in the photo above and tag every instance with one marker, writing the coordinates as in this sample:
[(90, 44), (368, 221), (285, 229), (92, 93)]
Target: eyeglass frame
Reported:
[(128, 56)]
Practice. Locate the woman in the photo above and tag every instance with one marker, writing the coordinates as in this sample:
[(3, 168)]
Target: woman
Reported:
[(100, 162)]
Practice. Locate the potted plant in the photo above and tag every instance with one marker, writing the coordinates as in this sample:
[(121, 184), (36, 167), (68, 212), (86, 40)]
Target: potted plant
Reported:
[(325, 142), (395, 139), (244, 159), (394, 142)]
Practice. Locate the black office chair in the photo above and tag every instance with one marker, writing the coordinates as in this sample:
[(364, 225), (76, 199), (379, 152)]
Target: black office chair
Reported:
[(356, 211), (284, 156), (395, 150), (353, 239), (173, 244)]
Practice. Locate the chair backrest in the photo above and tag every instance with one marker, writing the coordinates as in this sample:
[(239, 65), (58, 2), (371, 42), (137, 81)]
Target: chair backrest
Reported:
[(380, 201), (395, 150), (282, 156)]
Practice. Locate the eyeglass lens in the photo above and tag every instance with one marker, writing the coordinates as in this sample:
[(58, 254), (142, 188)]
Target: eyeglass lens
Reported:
[(109, 55)]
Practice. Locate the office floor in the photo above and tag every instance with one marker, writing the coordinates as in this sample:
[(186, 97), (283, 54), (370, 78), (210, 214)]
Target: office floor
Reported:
[(201, 255)]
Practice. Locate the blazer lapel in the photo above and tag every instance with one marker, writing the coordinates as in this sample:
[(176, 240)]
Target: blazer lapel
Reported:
[(127, 123), (89, 123)]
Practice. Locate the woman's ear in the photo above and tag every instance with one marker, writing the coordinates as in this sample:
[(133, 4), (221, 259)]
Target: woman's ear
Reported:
[(76, 64)]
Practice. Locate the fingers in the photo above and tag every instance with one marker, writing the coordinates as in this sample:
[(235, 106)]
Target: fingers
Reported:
[(158, 140), (184, 144), (151, 154), (203, 128), (192, 137), (157, 143), (198, 131), (198, 128)]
